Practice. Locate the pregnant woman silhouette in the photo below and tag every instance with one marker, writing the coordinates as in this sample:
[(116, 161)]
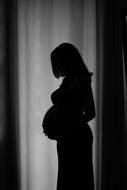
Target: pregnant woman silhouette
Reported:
[(74, 101)]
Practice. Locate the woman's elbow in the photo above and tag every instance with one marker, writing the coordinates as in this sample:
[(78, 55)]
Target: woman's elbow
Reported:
[(90, 116)]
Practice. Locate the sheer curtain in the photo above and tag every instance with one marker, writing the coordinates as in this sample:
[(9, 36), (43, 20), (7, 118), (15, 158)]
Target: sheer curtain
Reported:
[(42, 25)]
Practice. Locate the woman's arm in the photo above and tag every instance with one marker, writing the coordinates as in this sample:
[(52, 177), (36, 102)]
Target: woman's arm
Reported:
[(70, 92), (76, 91), (89, 105), (81, 93)]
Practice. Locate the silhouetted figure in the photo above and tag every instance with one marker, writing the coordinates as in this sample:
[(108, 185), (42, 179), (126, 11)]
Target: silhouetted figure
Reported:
[(66, 121)]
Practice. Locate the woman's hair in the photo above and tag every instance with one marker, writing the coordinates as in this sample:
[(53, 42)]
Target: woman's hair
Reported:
[(66, 59)]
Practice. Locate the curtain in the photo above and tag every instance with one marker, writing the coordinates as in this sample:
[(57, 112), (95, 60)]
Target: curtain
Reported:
[(9, 176), (2, 95), (42, 25), (113, 164)]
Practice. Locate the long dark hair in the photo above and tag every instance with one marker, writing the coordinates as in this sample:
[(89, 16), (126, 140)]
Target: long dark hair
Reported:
[(66, 59)]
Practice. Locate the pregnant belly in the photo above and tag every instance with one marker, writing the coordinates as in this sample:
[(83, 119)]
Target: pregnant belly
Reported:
[(62, 117)]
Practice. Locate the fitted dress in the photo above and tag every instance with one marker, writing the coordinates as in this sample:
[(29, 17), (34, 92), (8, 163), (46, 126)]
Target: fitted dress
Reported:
[(74, 147)]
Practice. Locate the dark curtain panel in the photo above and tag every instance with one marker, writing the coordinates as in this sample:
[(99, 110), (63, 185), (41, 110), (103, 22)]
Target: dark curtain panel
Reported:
[(3, 88), (113, 144), (10, 141)]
